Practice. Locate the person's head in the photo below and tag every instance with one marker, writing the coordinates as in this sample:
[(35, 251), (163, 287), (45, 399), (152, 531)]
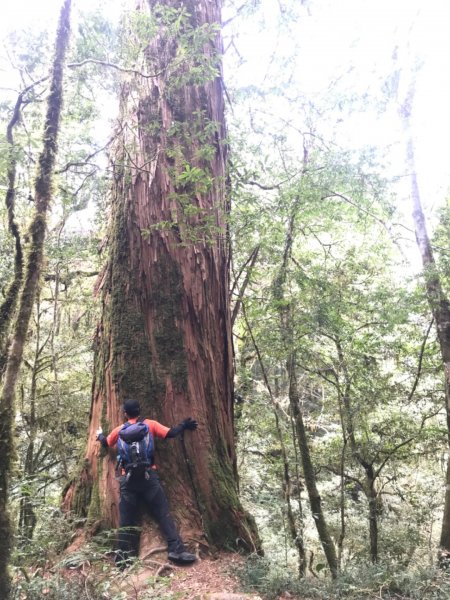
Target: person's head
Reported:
[(131, 408)]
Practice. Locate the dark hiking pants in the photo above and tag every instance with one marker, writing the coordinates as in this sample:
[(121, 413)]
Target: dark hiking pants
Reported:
[(149, 493)]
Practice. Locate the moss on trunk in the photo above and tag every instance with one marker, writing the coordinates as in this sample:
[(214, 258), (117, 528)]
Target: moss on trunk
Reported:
[(130, 353), (165, 300), (43, 194), (165, 334)]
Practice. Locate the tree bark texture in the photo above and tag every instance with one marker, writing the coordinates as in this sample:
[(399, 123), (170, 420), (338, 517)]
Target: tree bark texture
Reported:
[(165, 333), (309, 474), (43, 194), (9, 304), (438, 301)]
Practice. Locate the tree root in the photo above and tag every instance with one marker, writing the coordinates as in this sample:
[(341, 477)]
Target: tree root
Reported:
[(155, 551), (155, 563)]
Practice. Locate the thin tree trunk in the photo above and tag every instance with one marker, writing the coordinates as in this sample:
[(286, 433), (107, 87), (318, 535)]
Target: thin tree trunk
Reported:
[(340, 543), (374, 509), (285, 312), (242, 289), (296, 535), (309, 474), (438, 301), (27, 516), (165, 334), (8, 305), (346, 411), (43, 192)]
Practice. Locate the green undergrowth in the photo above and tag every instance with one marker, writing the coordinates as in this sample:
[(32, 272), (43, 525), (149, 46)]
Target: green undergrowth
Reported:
[(41, 570), (110, 585), (357, 582)]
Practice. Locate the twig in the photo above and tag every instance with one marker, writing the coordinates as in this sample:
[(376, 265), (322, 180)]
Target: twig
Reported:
[(155, 551), (105, 63), (253, 257), (86, 588), (162, 568), (88, 158)]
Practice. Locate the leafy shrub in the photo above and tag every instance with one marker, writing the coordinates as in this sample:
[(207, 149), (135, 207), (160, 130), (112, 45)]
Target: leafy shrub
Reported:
[(357, 582), (50, 538), (52, 588)]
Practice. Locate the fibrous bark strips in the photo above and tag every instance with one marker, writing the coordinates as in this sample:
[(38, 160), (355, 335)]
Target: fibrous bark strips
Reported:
[(165, 332)]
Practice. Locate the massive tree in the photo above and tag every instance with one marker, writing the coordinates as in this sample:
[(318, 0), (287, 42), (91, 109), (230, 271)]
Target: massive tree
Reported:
[(165, 332)]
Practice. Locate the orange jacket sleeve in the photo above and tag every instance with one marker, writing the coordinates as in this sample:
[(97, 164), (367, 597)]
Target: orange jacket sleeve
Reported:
[(156, 429), (112, 438)]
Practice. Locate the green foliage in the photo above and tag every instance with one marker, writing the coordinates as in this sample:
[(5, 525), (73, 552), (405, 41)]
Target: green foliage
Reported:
[(86, 574), (50, 538), (357, 324), (53, 587), (358, 581), (259, 575), (440, 245)]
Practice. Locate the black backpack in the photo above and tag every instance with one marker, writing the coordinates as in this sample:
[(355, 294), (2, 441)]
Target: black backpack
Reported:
[(136, 448)]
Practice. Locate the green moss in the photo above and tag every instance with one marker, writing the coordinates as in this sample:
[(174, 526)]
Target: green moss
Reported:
[(165, 300), (94, 511), (131, 365), (225, 491), (222, 530), (82, 492), (104, 422)]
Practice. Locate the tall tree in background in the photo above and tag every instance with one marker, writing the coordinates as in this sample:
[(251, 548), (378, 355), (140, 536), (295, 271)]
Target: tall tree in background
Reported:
[(285, 311), (437, 299), (43, 196), (165, 332)]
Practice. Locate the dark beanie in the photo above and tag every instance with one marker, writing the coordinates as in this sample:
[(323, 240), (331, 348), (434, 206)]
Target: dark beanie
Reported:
[(132, 408)]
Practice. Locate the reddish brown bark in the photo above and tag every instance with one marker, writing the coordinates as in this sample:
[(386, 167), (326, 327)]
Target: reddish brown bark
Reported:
[(165, 334)]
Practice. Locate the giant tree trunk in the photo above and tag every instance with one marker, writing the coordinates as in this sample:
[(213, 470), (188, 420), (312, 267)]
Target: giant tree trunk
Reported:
[(43, 194), (438, 301), (165, 334)]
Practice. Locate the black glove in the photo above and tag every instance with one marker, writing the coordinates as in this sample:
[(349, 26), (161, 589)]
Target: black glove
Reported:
[(102, 439), (189, 424)]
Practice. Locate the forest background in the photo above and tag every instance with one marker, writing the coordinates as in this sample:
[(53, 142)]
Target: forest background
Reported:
[(331, 308)]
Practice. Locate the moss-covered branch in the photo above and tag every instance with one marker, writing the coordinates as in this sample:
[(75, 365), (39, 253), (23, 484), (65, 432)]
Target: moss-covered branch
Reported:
[(9, 304), (43, 195)]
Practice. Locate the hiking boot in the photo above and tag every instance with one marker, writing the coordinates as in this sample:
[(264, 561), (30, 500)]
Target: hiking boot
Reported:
[(183, 558)]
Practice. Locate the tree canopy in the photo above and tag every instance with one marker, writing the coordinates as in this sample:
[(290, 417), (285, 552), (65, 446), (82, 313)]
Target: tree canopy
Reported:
[(260, 157)]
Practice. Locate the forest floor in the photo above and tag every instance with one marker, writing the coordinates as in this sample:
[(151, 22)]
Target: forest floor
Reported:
[(209, 578)]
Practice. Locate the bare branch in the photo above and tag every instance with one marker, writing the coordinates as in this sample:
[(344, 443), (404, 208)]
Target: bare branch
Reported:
[(105, 63), (419, 366), (252, 259), (90, 156)]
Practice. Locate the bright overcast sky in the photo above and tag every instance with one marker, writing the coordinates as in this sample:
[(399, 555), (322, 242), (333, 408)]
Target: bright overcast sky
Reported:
[(331, 35)]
